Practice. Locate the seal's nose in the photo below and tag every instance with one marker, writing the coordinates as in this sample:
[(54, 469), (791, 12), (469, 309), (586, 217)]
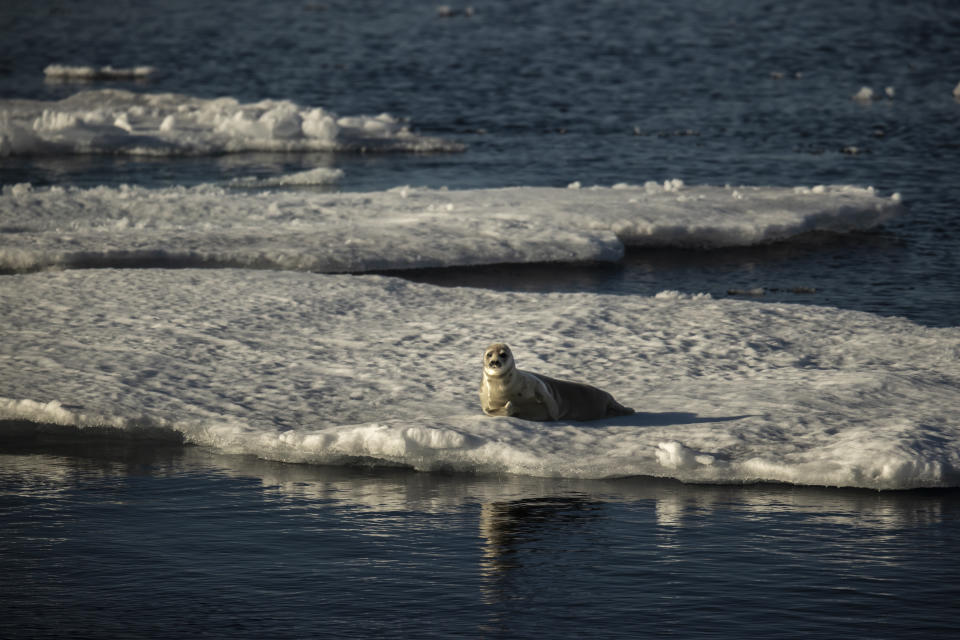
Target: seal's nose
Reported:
[(494, 363)]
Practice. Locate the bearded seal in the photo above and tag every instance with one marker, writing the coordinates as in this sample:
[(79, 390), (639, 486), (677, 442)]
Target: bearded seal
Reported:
[(508, 391)]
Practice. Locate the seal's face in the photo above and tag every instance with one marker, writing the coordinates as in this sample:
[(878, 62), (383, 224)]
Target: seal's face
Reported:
[(497, 359)]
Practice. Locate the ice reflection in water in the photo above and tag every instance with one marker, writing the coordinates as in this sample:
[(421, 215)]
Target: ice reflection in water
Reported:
[(528, 524)]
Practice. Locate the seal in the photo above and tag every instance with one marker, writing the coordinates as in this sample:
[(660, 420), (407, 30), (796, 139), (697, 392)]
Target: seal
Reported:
[(506, 390)]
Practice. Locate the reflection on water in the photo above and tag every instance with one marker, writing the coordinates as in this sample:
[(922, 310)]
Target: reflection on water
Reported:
[(512, 506), (525, 541), (509, 526), (669, 510), (286, 549)]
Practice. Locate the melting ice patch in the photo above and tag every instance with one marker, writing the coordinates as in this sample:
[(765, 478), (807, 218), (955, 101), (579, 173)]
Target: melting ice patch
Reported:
[(122, 122), (406, 228), (81, 73), (308, 178), (327, 369)]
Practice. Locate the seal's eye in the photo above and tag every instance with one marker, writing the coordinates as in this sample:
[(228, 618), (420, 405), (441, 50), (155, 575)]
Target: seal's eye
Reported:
[(489, 354), (503, 354)]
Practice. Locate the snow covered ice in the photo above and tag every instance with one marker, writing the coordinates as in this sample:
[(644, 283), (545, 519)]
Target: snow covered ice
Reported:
[(113, 121), (310, 367), (319, 368), (406, 227), (314, 367)]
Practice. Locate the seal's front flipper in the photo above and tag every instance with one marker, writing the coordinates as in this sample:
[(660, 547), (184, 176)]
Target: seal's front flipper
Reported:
[(544, 397)]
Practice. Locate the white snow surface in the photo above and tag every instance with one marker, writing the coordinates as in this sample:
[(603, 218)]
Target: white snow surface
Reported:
[(113, 121), (318, 368), (407, 227)]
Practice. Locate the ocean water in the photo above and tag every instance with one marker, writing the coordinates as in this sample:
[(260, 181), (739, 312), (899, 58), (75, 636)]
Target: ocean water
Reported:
[(122, 542), (251, 253)]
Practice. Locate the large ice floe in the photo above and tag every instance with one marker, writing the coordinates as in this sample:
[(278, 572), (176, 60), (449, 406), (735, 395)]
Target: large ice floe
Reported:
[(336, 369), (406, 227), (113, 121)]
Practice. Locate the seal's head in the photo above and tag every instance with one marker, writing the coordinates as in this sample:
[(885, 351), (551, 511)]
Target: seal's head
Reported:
[(497, 360)]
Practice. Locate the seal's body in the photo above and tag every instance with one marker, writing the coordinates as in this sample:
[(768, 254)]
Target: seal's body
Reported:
[(508, 391)]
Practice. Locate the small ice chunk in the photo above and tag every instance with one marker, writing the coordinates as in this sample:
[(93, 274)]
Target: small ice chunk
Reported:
[(18, 190), (67, 72), (446, 11), (317, 123), (674, 455), (310, 177), (123, 122)]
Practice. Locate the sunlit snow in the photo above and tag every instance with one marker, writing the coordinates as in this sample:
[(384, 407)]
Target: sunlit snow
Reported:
[(320, 368), (114, 121), (407, 227)]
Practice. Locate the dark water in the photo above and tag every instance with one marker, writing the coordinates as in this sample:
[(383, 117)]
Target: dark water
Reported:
[(107, 542), (545, 93), (185, 543)]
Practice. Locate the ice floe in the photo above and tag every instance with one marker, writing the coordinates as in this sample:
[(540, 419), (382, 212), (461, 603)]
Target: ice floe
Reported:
[(316, 368), (407, 227), (113, 121)]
